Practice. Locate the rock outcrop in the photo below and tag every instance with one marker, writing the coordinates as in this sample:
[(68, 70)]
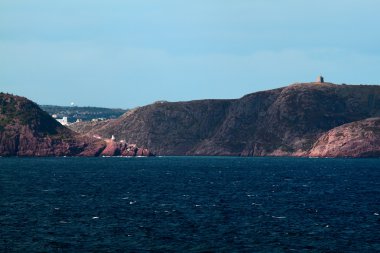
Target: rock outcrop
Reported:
[(356, 139), (26, 130), (280, 122), (114, 148)]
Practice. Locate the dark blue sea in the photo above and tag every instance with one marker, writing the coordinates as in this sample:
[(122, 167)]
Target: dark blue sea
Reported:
[(189, 204)]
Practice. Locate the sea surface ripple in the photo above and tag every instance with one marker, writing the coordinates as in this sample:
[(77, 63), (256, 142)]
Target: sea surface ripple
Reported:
[(189, 204)]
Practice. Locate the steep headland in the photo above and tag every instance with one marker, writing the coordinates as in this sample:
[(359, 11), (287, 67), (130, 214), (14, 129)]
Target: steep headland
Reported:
[(282, 122), (26, 130)]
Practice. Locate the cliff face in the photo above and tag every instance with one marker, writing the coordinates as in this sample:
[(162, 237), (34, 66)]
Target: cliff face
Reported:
[(286, 121), (170, 128), (26, 130)]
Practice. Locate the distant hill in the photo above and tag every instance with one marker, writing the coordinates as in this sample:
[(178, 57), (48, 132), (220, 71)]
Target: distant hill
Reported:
[(26, 130), (282, 122), (83, 113)]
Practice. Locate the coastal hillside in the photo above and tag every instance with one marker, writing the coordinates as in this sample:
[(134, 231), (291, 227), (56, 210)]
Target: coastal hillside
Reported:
[(26, 130), (282, 122)]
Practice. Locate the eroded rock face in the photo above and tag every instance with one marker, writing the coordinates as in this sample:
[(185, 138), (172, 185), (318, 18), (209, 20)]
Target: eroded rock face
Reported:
[(26, 130), (114, 148), (356, 139), (280, 122)]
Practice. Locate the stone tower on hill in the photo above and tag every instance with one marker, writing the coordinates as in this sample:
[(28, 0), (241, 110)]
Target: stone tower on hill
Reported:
[(320, 79)]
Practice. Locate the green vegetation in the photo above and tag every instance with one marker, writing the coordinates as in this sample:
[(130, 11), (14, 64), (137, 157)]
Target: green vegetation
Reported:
[(4, 122)]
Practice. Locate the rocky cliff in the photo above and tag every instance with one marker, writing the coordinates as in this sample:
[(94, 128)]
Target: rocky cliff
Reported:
[(26, 130), (282, 122), (356, 139)]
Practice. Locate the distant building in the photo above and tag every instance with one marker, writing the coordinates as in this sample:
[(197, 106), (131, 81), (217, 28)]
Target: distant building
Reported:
[(54, 116), (98, 119), (320, 79), (160, 102), (113, 137), (63, 121)]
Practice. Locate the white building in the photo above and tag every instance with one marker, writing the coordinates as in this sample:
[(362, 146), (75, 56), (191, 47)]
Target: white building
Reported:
[(63, 121)]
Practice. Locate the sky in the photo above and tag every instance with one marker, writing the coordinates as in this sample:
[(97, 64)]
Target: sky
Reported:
[(122, 53)]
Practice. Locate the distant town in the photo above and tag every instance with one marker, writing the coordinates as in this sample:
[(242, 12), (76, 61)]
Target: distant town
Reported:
[(70, 114)]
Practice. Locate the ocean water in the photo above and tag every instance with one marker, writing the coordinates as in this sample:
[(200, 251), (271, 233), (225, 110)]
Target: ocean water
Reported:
[(189, 204)]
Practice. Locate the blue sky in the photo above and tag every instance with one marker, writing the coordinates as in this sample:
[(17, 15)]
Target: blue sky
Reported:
[(120, 53)]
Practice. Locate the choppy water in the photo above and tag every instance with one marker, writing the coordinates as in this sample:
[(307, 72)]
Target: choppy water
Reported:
[(189, 204)]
